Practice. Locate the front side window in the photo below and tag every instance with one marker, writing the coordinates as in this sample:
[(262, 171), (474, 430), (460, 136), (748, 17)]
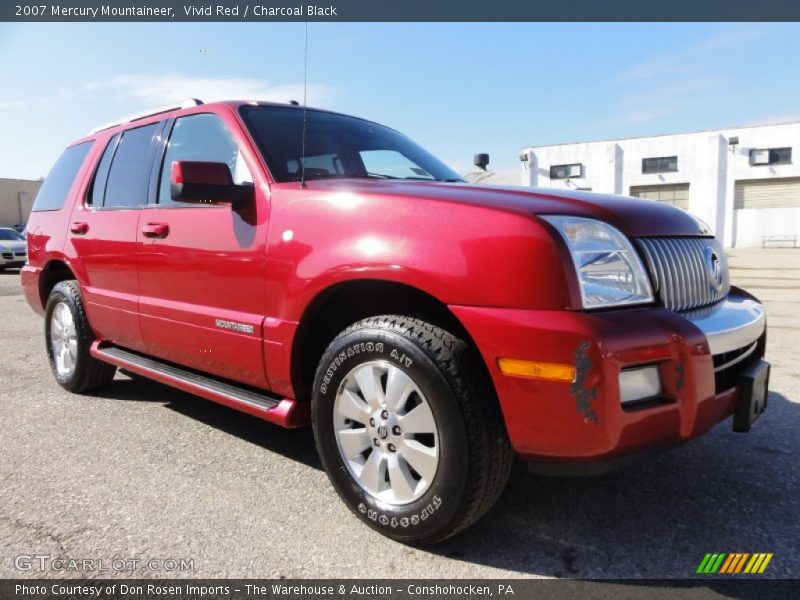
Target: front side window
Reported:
[(55, 188), (661, 164), (203, 138), (129, 176), (337, 146)]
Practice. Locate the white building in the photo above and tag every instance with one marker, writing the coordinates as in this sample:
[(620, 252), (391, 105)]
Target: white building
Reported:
[(16, 200), (744, 182)]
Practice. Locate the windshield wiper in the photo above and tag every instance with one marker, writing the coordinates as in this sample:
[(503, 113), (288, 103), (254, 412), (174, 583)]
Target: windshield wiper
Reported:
[(377, 176)]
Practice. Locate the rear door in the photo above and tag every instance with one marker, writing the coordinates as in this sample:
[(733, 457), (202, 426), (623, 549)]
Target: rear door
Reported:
[(202, 280), (103, 233)]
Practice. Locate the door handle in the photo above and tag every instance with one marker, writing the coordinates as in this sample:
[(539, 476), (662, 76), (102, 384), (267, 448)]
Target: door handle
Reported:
[(79, 228), (155, 230)]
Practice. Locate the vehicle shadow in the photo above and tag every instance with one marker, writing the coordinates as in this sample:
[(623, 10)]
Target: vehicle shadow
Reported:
[(723, 492), (295, 444)]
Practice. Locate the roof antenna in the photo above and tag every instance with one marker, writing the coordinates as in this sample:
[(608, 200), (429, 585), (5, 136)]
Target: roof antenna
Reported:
[(305, 105)]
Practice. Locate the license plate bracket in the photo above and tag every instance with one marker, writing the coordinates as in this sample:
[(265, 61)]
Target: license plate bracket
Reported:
[(753, 390)]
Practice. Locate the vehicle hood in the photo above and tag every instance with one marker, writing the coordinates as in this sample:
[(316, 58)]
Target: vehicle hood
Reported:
[(634, 217), (13, 245)]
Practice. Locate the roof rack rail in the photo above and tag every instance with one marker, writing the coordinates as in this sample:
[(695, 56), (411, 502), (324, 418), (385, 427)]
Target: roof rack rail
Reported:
[(188, 103)]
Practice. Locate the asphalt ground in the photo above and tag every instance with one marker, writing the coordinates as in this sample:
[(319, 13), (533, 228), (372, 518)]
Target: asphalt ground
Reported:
[(142, 472)]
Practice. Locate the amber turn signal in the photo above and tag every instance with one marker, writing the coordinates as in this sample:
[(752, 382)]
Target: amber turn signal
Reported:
[(537, 370)]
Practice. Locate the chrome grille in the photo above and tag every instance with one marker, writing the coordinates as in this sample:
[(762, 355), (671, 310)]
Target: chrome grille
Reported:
[(687, 272)]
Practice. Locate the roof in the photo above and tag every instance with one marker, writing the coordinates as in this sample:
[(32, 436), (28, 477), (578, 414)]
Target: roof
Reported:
[(642, 137)]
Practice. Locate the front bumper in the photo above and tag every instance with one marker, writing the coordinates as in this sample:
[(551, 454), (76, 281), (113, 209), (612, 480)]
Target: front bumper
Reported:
[(698, 356), (10, 259)]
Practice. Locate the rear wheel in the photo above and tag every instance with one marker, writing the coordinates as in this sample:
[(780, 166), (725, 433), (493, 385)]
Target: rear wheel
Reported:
[(408, 430), (68, 338)]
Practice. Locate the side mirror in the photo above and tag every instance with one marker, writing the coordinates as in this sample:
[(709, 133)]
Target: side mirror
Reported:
[(199, 182)]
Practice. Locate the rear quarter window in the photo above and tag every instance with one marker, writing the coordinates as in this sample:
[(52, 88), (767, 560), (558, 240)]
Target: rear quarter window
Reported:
[(55, 188)]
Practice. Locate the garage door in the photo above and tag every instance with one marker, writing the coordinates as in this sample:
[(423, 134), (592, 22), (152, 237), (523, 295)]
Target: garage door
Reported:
[(676, 194), (767, 193)]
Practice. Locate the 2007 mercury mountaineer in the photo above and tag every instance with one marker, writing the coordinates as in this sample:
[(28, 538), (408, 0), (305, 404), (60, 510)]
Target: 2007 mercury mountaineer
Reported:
[(306, 267)]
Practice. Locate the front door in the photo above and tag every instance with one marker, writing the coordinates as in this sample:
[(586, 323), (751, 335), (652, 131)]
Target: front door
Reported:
[(201, 267)]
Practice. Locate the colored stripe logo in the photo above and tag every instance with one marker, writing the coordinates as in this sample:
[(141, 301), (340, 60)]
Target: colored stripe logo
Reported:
[(733, 563)]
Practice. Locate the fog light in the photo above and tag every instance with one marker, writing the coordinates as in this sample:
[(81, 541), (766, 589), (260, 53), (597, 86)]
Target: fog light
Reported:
[(639, 383)]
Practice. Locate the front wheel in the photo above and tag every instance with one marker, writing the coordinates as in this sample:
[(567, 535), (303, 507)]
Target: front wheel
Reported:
[(408, 429)]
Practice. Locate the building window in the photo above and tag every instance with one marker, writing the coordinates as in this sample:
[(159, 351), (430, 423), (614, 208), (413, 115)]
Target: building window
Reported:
[(771, 156), (675, 194), (566, 171), (661, 164)]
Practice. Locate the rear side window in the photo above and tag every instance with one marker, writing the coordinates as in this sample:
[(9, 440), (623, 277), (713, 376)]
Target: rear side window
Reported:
[(55, 188), (129, 177)]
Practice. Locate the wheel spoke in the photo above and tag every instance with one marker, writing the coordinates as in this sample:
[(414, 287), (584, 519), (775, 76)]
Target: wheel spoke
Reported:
[(353, 407), (419, 420), (63, 339), (398, 387), (374, 472), (69, 360), (354, 441), (64, 315), (403, 484), (369, 382), (421, 458), (374, 420)]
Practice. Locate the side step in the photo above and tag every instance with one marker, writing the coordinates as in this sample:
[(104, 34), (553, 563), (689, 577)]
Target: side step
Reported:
[(281, 411)]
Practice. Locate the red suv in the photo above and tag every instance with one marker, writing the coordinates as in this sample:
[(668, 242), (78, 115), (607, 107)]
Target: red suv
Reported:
[(306, 267)]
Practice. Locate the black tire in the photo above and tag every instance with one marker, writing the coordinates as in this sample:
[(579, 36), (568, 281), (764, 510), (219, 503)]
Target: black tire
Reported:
[(89, 373), (475, 456)]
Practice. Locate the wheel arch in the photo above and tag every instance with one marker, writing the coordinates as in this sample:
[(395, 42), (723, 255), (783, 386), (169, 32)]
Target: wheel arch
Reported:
[(54, 272), (344, 303)]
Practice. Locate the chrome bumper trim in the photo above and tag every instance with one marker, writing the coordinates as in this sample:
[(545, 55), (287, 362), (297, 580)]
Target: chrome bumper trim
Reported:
[(732, 324)]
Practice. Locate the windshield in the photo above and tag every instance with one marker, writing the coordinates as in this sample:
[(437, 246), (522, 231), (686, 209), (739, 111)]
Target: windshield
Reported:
[(9, 235), (337, 146)]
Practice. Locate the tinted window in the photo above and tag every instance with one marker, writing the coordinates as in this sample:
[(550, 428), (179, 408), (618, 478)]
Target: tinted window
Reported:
[(780, 156), (130, 170), (392, 164), (338, 146), (662, 164), (55, 188), (101, 175), (9, 235), (566, 171), (201, 138)]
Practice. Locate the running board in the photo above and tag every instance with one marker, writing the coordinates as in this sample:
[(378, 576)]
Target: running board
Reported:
[(281, 411)]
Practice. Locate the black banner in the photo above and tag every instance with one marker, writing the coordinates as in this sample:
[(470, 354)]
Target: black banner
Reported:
[(401, 10), (389, 589)]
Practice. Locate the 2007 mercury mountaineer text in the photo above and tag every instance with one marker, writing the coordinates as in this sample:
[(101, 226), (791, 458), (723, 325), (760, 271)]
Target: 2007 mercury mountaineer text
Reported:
[(308, 267)]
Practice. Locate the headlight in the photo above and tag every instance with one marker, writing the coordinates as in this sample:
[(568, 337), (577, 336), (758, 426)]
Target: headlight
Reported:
[(609, 270)]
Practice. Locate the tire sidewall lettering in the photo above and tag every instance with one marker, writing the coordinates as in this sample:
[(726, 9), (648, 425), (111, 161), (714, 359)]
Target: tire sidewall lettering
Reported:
[(436, 507)]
